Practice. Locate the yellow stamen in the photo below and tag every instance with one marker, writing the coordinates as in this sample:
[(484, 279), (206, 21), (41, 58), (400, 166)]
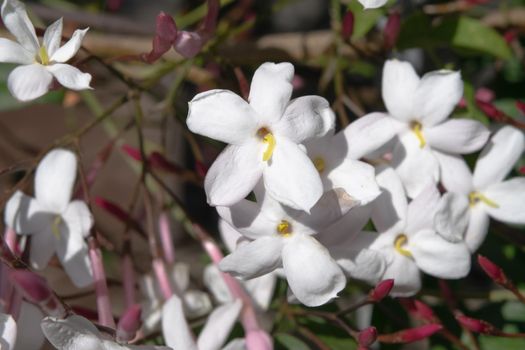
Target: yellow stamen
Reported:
[(284, 228), (269, 140), (475, 197), (399, 242), (55, 226), (42, 54), (417, 129), (319, 164)]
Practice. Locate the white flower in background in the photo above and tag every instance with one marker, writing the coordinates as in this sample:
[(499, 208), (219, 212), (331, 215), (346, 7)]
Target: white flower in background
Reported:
[(407, 238), (427, 141), (283, 237), (196, 302), (77, 333), (263, 137), (486, 193), (40, 63), (54, 222), (372, 4), (219, 324), (7, 332)]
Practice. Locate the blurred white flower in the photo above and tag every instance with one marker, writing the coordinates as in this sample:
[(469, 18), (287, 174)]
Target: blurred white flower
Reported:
[(264, 137), (372, 4), (7, 332), (77, 333), (39, 63), (427, 141), (54, 222)]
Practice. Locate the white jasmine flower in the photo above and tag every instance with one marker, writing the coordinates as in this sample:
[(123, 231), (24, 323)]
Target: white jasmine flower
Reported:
[(372, 4), (40, 63), (263, 137), (54, 222), (408, 240), (421, 107), (283, 237), (219, 324), (7, 332), (486, 193), (77, 333)]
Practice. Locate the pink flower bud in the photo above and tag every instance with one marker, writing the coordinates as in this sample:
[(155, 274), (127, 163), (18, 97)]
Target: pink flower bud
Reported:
[(462, 103), (347, 28), (381, 290), (491, 111), (418, 333), (419, 310), (32, 286), (165, 36), (258, 340), (484, 95), (492, 270), (112, 208), (475, 325), (157, 160), (520, 105), (367, 337), (391, 31), (129, 323), (200, 168), (510, 35), (132, 152), (522, 170)]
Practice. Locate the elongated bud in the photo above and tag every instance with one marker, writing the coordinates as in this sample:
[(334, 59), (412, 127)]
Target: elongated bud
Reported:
[(419, 310), (391, 31), (112, 208), (165, 35), (200, 168), (244, 87), (520, 105), (411, 335), (99, 161), (132, 152), (493, 271), (258, 340), (381, 290), (475, 325), (347, 26), (157, 160), (367, 337), (491, 111), (129, 324)]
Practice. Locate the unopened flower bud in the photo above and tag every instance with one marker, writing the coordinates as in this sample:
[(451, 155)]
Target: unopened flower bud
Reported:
[(391, 31), (132, 152), (520, 105), (157, 160), (419, 310), (347, 28), (475, 325), (258, 340), (418, 333), (381, 290), (112, 208), (129, 324), (367, 337), (493, 270), (200, 168), (491, 111)]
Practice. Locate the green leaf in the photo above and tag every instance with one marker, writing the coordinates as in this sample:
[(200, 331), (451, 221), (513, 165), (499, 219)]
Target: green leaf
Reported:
[(287, 341), (462, 33), (513, 311), (364, 20)]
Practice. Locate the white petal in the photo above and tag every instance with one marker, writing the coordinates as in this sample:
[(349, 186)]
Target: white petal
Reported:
[(346, 229), (179, 275), (78, 218), (30, 334), (389, 210), (7, 331), (454, 172), (15, 19), (11, 52), (372, 4), (218, 326), (28, 82), (406, 275), (457, 136), (229, 235), (313, 276), (422, 209), (53, 37), (197, 303), (291, 178), (416, 166), (366, 265), (255, 258), (247, 217), (54, 179), (25, 215), (478, 227), (305, 118), (399, 86), (212, 278), (369, 133), (436, 96), (271, 90), (42, 249), (452, 217), (510, 198), (236, 344), (222, 115), (357, 179), (439, 257), (72, 251), (70, 48), (498, 157), (234, 174), (72, 333), (70, 77), (261, 289), (175, 329)]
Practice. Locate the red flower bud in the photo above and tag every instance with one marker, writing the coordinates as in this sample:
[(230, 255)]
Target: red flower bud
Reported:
[(381, 290), (492, 270), (159, 161), (491, 111), (112, 208), (484, 95), (129, 323), (132, 152), (418, 333), (475, 325), (200, 168), (522, 170), (510, 35), (32, 286), (367, 337), (521, 106), (391, 31), (347, 25)]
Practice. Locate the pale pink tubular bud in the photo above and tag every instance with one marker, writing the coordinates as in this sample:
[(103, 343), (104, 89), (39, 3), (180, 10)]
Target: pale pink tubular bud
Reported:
[(165, 36), (391, 31), (129, 324), (165, 236), (132, 152), (381, 290), (128, 279), (105, 316), (475, 325), (112, 209), (347, 25), (493, 271), (258, 340), (367, 337)]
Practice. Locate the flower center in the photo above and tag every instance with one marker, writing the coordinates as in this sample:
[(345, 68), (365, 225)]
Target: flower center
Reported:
[(319, 164), (417, 130), (55, 226), (284, 228), (476, 197), (269, 140), (43, 57), (399, 243)]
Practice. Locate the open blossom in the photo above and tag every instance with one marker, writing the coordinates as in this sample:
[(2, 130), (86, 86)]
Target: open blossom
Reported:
[(40, 63), (56, 224), (7, 332), (264, 139), (372, 4), (284, 237), (486, 193), (77, 333), (428, 143)]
